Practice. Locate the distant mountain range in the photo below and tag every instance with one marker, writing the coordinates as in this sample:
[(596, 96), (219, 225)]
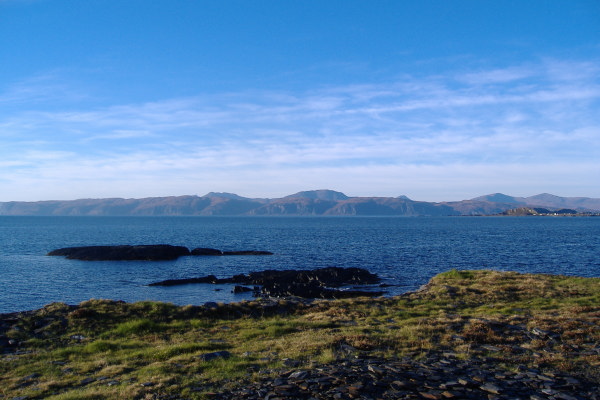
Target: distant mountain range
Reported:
[(312, 202)]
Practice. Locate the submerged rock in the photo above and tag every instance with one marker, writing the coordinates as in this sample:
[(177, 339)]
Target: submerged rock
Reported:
[(247, 253), (206, 251), (241, 289), (155, 252), (175, 282)]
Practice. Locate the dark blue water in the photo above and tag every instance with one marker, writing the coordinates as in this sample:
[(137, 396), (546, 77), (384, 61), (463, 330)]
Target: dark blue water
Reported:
[(405, 252)]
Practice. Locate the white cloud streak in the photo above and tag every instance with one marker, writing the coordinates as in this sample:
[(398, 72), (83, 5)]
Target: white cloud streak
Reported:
[(435, 137)]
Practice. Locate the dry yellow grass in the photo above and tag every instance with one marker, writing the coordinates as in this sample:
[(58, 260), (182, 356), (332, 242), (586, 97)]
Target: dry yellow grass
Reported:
[(108, 349)]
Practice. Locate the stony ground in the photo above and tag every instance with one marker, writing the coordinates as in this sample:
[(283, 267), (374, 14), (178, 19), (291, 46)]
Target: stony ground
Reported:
[(437, 376), (466, 335)]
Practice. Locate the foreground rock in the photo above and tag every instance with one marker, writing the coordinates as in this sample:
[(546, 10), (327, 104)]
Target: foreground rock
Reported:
[(437, 376), (317, 283), (465, 335), (156, 252)]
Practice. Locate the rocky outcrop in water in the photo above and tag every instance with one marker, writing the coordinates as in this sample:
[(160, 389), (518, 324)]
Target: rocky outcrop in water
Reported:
[(206, 251), (157, 252), (317, 283)]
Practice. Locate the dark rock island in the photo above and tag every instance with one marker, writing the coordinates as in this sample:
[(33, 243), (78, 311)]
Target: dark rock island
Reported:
[(318, 283), (154, 252)]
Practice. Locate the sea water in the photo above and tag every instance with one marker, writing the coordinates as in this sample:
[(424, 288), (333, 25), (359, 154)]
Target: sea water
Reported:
[(404, 252)]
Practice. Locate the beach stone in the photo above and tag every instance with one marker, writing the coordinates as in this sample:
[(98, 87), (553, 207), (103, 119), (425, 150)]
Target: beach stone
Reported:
[(564, 396), (491, 388), (299, 375), (241, 289), (214, 355), (87, 381), (366, 378), (291, 363), (489, 347), (540, 332), (375, 370), (30, 377), (431, 395)]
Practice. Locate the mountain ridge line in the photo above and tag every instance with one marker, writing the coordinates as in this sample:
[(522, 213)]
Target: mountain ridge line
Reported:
[(311, 202)]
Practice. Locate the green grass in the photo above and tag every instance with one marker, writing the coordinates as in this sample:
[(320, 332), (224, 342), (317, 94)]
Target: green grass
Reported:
[(129, 344)]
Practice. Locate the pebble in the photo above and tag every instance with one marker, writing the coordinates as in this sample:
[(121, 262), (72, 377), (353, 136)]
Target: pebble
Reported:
[(490, 387)]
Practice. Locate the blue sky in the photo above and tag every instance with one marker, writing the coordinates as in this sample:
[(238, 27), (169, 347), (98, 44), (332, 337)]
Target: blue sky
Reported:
[(436, 100)]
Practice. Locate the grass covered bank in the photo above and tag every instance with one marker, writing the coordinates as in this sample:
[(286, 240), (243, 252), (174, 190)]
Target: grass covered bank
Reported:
[(106, 349)]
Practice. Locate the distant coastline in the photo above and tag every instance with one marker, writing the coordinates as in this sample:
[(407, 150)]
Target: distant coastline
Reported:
[(544, 212), (307, 203)]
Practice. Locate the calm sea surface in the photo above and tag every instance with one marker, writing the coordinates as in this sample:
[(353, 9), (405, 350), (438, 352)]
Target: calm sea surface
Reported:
[(405, 252)]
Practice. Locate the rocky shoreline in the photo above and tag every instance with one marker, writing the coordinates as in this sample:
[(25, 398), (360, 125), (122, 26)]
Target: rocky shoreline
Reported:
[(465, 335), (490, 372), (436, 376)]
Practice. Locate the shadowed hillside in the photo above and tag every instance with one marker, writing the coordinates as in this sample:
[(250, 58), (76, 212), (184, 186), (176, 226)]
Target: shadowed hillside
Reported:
[(314, 202)]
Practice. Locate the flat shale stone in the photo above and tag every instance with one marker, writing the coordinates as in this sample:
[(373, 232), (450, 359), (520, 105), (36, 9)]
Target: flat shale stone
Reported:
[(431, 395), (299, 375), (368, 378), (491, 388)]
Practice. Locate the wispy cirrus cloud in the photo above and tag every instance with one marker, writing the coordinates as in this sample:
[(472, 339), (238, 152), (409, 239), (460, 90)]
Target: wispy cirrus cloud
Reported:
[(503, 124)]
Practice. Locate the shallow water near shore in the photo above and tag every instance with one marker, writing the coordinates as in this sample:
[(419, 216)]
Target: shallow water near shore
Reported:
[(405, 252)]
